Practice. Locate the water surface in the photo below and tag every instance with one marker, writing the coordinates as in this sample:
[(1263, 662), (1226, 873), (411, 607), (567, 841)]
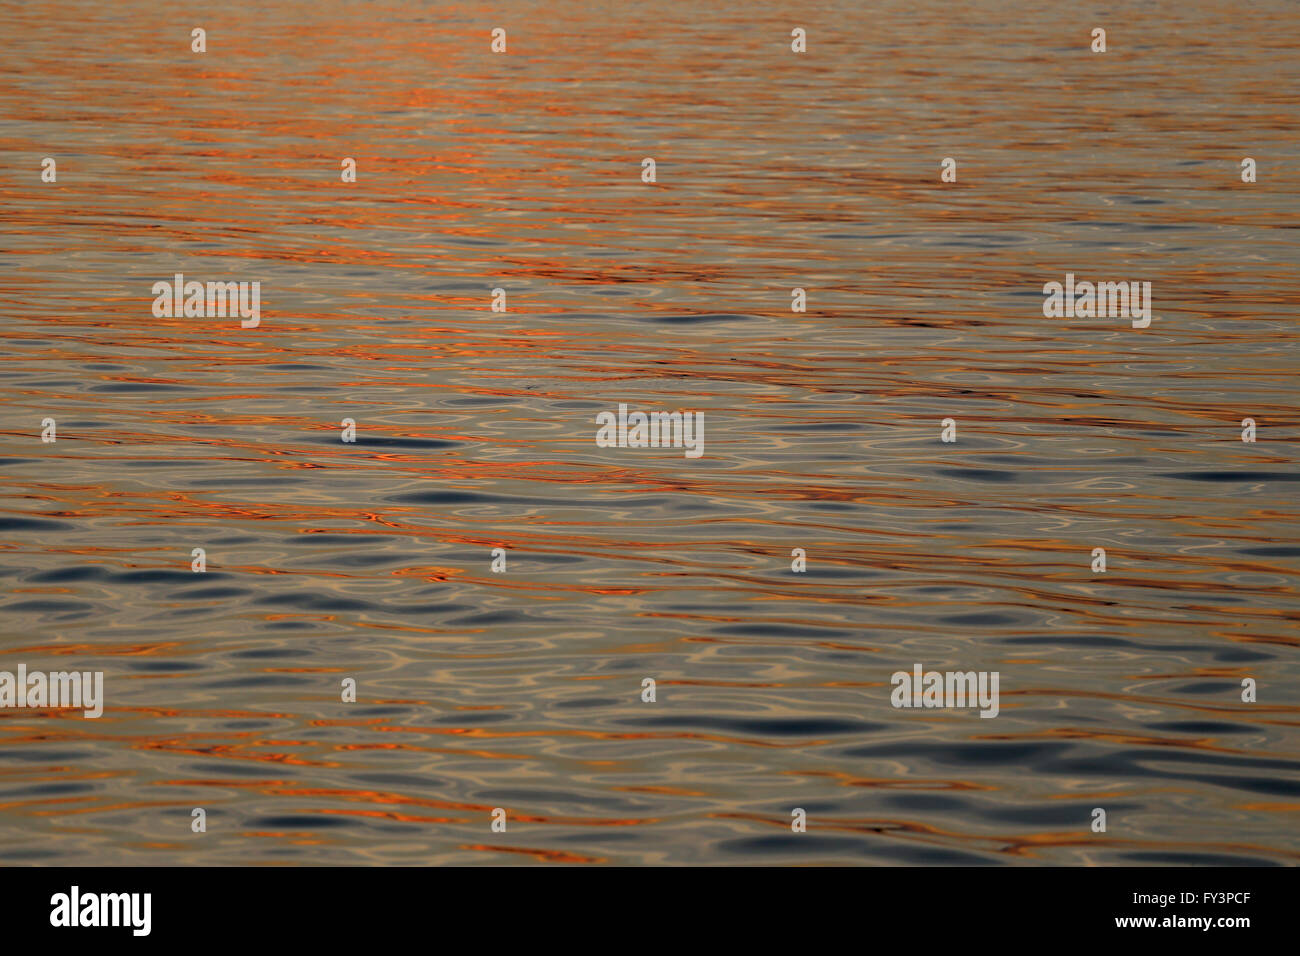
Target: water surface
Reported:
[(476, 431)]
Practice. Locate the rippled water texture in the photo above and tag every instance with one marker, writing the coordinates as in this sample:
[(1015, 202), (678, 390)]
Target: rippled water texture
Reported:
[(521, 690)]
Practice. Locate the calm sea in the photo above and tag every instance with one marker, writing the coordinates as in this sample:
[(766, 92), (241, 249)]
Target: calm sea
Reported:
[(475, 430)]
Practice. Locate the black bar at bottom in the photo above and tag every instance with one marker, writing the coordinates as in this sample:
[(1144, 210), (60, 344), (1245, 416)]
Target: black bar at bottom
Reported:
[(640, 907)]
